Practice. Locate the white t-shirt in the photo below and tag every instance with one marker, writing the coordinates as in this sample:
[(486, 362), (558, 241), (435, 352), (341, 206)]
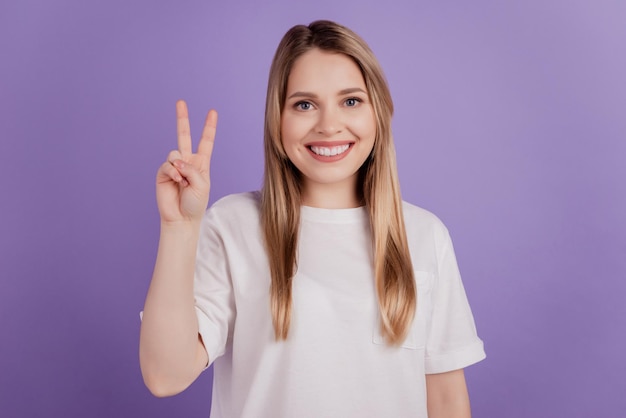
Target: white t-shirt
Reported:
[(335, 362)]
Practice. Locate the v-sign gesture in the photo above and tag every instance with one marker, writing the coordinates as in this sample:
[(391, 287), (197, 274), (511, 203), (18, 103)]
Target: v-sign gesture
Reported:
[(183, 182)]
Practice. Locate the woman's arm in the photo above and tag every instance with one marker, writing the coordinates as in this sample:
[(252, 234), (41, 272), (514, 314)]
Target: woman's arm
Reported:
[(447, 395), (171, 353)]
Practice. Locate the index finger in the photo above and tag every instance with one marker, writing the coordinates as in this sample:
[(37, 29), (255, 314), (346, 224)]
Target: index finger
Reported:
[(205, 147), (182, 128)]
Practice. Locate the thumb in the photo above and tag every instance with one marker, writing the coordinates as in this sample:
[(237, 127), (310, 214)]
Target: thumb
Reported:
[(193, 176)]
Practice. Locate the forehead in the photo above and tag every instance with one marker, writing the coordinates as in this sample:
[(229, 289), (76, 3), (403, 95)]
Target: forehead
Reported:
[(323, 70)]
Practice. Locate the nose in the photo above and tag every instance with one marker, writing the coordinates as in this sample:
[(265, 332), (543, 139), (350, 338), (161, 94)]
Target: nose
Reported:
[(329, 122)]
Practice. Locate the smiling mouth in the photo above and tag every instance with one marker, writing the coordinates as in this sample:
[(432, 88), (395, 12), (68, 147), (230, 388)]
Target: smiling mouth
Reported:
[(329, 151)]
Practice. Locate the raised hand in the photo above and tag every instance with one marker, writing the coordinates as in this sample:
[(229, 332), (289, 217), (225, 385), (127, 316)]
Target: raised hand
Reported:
[(183, 182)]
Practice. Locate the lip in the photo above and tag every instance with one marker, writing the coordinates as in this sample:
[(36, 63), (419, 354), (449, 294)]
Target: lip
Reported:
[(329, 144)]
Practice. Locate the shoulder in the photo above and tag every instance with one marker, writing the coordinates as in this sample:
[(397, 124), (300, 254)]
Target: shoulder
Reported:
[(235, 209), (415, 216), (238, 201), (420, 222)]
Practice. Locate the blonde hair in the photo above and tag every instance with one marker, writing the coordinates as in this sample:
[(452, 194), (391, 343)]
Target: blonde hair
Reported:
[(378, 183)]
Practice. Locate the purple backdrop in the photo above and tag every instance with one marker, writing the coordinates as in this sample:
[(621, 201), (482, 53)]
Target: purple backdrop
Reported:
[(510, 125)]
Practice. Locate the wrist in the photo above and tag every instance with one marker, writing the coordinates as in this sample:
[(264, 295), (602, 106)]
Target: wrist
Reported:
[(181, 226)]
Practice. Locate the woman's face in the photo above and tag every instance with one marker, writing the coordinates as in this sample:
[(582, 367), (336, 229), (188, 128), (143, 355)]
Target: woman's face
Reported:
[(328, 124)]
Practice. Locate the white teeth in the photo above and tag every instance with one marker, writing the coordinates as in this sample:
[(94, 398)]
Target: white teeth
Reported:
[(327, 152)]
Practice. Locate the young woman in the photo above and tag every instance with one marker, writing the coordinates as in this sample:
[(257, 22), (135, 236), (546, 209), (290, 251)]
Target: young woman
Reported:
[(323, 295)]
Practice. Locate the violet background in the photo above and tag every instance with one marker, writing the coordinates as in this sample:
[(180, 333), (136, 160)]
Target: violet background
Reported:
[(510, 125)]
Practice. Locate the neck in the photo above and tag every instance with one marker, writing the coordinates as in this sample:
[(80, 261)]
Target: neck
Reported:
[(331, 196)]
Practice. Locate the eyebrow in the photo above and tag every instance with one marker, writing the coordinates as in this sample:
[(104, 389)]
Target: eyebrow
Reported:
[(313, 95)]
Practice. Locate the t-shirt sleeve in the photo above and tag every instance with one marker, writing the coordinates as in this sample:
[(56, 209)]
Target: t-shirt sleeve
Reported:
[(213, 291), (452, 341)]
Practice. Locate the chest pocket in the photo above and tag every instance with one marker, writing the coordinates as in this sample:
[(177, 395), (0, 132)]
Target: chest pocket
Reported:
[(418, 334)]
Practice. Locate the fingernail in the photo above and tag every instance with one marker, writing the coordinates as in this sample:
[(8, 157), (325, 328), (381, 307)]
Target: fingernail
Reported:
[(179, 164)]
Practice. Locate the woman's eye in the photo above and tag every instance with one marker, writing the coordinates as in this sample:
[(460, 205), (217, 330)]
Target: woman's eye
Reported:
[(353, 101), (303, 105)]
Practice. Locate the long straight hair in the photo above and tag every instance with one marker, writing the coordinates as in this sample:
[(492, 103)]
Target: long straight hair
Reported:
[(378, 185)]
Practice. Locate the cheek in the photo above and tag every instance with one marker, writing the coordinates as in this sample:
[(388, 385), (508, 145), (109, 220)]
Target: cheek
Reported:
[(285, 133), (365, 125), (286, 128), (290, 137), (292, 129)]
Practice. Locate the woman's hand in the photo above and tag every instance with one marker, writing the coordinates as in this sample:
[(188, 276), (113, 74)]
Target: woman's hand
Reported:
[(183, 182)]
